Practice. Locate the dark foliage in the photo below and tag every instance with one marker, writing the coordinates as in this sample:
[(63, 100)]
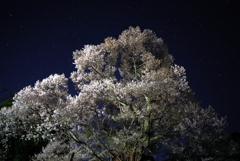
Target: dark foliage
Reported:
[(23, 150)]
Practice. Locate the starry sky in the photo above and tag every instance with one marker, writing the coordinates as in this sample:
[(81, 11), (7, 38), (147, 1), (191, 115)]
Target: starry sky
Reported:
[(38, 38)]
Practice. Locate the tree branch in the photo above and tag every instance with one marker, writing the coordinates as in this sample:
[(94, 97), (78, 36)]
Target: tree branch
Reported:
[(73, 136)]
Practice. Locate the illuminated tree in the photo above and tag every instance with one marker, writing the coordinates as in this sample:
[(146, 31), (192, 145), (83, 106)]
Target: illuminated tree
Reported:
[(132, 101)]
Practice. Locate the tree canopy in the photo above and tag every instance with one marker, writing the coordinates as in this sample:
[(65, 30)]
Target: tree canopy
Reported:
[(132, 101)]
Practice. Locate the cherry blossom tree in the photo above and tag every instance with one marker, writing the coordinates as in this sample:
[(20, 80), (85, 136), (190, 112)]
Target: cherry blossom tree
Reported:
[(132, 100)]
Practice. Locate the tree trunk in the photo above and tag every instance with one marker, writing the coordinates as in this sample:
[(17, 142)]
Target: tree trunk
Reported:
[(135, 154)]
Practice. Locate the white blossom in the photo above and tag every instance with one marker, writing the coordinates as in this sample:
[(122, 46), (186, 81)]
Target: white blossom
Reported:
[(131, 96)]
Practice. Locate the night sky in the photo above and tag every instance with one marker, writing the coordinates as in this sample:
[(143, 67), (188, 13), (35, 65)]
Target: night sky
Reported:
[(38, 38)]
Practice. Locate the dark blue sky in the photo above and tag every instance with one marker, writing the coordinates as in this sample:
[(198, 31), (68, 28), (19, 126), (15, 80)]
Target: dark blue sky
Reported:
[(38, 38)]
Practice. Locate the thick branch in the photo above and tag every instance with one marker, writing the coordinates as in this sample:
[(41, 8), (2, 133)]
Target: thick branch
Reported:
[(73, 136)]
